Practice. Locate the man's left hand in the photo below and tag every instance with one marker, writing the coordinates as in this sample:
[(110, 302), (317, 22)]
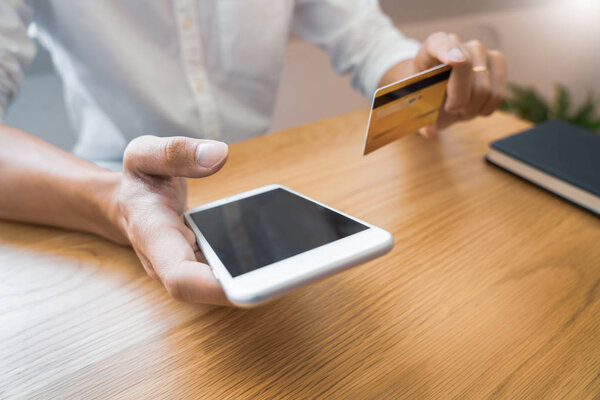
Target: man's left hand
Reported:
[(477, 82)]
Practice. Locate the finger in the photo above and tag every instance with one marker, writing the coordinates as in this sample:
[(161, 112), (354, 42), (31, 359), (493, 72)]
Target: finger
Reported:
[(428, 132), (445, 119), (174, 156), (458, 91), (175, 263), (446, 48), (146, 264), (440, 47), (194, 282), (497, 66), (481, 87), (189, 235), (188, 280), (200, 256)]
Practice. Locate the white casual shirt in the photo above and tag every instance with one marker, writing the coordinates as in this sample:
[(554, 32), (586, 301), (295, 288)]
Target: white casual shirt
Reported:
[(196, 68)]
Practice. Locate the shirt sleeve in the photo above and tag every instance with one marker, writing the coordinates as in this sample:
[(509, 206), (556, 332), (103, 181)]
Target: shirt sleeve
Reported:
[(359, 38), (16, 48)]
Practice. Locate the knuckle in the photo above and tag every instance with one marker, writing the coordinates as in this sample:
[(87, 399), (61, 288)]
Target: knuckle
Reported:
[(436, 37), (136, 144), (174, 149), (476, 45), (439, 34), (497, 96), (133, 150), (454, 37)]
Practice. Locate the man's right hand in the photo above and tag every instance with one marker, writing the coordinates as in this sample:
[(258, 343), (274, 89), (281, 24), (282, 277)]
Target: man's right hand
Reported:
[(142, 206), (149, 204)]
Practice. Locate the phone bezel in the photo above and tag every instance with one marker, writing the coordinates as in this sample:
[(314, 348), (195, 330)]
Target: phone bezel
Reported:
[(268, 281)]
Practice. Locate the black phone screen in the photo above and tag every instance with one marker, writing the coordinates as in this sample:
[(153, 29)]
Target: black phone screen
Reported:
[(260, 230)]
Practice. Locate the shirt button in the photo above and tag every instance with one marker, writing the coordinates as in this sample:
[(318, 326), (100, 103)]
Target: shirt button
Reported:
[(199, 86), (187, 23)]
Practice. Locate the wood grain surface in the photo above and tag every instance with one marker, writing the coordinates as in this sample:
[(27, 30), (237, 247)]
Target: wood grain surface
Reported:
[(491, 290)]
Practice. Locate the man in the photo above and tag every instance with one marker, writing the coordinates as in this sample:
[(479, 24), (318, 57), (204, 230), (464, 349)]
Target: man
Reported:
[(200, 73)]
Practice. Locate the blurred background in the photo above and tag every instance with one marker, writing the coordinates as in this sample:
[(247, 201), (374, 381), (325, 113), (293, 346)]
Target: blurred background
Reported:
[(546, 42)]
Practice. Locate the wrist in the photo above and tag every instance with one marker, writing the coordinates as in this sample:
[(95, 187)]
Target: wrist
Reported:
[(110, 222)]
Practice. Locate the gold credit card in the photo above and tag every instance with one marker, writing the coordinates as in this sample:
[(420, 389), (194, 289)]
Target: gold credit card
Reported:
[(406, 106)]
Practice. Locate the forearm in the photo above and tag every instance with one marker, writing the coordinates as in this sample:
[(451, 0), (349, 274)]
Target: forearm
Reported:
[(42, 184)]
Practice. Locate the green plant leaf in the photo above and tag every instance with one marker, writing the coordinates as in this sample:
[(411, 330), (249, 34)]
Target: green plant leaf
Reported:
[(562, 102), (585, 113), (527, 103), (592, 125)]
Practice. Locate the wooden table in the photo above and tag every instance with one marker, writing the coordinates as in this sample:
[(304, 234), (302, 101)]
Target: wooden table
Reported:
[(492, 289)]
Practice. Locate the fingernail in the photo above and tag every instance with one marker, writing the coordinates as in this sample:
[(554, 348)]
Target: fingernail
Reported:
[(208, 154), (455, 54)]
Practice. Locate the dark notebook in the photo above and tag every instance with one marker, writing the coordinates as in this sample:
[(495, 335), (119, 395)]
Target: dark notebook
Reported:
[(557, 156)]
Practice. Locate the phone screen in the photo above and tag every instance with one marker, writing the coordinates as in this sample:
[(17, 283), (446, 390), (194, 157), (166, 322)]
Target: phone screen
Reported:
[(260, 230)]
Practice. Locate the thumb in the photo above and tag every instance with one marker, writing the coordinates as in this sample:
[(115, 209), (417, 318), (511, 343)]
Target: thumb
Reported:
[(441, 47), (174, 156)]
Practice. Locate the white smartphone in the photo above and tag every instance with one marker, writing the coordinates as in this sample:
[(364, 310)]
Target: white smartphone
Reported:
[(266, 241)]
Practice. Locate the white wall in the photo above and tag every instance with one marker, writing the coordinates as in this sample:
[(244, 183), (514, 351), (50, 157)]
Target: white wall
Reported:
[(544, 45)]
